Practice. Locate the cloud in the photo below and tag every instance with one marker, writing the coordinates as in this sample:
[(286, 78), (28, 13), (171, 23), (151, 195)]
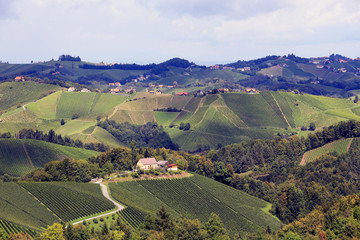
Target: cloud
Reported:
[(6, 9), (229, 9)]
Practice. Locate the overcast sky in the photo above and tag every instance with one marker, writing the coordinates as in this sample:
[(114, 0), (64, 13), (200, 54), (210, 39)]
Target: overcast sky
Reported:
[(203, 31)]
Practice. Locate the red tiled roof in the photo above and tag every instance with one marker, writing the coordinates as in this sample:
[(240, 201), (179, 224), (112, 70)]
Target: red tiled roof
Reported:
[(172, 165)]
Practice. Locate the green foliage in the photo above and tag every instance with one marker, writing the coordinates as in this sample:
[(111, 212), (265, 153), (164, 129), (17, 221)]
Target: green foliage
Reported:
[(149, 135), (67, 203)]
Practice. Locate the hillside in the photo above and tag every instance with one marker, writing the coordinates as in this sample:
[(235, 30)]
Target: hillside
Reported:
[(215, 119), (18, 157), (339, 146), (37, 205), (197, 197), (334, 75)]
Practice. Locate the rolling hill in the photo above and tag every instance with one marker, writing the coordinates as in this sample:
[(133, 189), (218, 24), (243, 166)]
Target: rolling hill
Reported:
[(215, 119), (197, 197), (21, 156)]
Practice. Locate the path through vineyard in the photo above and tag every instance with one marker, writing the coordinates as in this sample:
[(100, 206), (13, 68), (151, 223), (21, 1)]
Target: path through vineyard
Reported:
[(105, 192)]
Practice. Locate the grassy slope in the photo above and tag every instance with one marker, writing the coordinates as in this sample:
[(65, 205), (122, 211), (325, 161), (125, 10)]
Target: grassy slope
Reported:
[(18, 157), (339, 146), (12, 93), (238, 210), (18, 206)]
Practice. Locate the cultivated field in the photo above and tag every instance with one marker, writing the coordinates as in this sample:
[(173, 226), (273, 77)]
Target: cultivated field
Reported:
[(18, 157), (197, 197), (70, 201), (339, 146)]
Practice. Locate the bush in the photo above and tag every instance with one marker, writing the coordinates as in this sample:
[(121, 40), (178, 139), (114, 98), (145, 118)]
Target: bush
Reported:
[(95, 221)]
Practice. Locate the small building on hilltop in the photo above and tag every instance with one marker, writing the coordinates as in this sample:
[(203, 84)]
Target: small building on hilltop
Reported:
[(85, 90), (172, 167), (147, 164), (182, 94), (71, 89)]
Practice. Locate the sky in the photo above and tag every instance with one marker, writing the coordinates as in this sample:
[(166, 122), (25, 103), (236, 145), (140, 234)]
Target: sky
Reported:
[(202, 31)]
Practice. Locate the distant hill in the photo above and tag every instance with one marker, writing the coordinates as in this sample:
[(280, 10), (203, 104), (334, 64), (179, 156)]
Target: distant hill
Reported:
[(215, 119), (334, 75)]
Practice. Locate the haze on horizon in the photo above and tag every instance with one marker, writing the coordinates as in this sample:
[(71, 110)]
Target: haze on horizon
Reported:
[(203, 31)]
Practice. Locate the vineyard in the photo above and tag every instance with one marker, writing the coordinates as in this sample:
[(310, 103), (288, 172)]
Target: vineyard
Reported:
[(339, 146), (20, 156), (68, 204), (194, 197), (9, 227), (132, 216), (18, 206)]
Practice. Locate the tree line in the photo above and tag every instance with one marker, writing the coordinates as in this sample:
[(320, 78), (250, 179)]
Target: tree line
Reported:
[(52, 137), (148, 135)]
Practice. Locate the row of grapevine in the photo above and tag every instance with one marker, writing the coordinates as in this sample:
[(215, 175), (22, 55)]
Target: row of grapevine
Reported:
[(185, 197), (339, 146), (10, 227), (66, 203), (133, 216)]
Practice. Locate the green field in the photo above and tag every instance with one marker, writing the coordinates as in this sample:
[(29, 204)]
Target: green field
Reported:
[(13, 93), (197, 197), (339, 146), (9, 227), (18, 206), (18, 157), (70, 201)]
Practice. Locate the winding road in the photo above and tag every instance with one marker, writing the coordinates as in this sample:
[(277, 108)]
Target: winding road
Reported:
[(106, 194)]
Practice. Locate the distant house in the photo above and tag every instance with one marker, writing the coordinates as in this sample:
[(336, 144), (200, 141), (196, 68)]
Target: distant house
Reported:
[(151, 91), (161, 86), (228, 68), (114, 90), (250, 90), (132, 90), (1, 120), (223, 90), (200, 93), (172, 167), (215, 67), (147, 164), (111, 84), (170, 86), (158, 92), (85, 90), (71, 89), (117, 84), (19, 78), (182, 94)]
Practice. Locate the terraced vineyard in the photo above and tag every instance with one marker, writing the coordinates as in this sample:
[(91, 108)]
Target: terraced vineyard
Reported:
[(132, 216), (66, 202), (18, 157), (339, 146), (197, 197), (10, 227), (18, 206)]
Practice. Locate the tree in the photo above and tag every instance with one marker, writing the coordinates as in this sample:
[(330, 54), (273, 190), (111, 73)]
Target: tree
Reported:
[(182, 126), (312, 127), (356, 99), (75, 116), (215, 228), (187, 127), (53, 232), (104, 229), (19, 236), (3, 234), (62, 122)]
